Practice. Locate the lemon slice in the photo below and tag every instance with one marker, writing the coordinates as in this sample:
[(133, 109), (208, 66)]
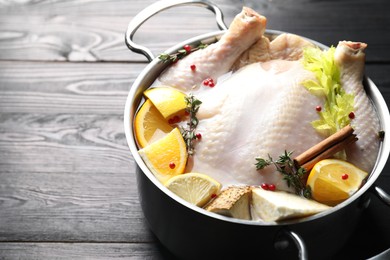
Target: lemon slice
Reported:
[(150, 125), (168, 101), (195, 188), (167, 156), (332, 181)]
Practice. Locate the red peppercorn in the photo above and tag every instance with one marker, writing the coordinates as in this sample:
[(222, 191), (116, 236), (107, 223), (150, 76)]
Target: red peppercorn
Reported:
[(193, 67), (209, 82), (176, 119), (318, 108), (351, 115), (172, 165), (198, 136), (271, 187), (265, 186), (187, 48), (344, 176)]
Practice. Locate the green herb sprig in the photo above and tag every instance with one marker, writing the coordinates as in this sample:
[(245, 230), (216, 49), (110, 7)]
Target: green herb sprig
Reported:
[(180, 54), (189, 135), (294, 176)]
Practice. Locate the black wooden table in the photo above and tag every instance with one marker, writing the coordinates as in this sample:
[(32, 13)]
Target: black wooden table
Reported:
[(67, 183)]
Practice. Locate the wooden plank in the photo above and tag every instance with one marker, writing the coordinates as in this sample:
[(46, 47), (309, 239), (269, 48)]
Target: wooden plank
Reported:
[(67, 177), (139, 251), (82, 34), (379, 74), (94, 30), (71, 207), (94, 7), (64, 38), (37, 87), (66, 173), (64, 143)]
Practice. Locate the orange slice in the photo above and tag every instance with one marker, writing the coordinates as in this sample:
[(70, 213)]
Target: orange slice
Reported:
[(166, 157), (150, 125), (333, 181)]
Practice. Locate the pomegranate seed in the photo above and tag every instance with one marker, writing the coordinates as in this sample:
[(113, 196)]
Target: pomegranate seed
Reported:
[(318, 108), (206, 82), (198, 136), (344, 176), (193, 67), (271, 187), (265, 186), (211, 84), (172, 165), (213, 195), (187, 48), (351, 115)]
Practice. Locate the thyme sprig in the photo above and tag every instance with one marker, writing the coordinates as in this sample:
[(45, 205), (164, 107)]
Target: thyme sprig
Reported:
[(294, 176), (180, 54), (189, 135)]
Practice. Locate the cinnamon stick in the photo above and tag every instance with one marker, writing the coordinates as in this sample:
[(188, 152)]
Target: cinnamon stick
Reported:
[(329, 152), (326, 148)]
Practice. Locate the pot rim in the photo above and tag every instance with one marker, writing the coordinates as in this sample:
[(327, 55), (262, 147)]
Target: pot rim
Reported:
[(135, 96)]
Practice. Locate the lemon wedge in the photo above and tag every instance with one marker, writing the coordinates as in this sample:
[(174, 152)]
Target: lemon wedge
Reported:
[(332, 181), (195, 188), (166, 157), (149, 124), (168, 101)]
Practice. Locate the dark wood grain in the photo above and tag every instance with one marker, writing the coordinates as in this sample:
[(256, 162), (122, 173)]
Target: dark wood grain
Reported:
[(67, 179), (88, 88), (57, 165), (30, 251), (89, 31), (94, 30)]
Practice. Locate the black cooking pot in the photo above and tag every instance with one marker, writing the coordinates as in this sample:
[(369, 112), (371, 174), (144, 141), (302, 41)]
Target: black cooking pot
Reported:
[(190, 232)]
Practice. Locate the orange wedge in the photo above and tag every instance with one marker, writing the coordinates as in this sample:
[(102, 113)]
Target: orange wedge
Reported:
[(332, 181), (150, 125), (166, 157)]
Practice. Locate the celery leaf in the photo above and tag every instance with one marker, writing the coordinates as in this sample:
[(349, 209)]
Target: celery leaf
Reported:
[(338, 104)]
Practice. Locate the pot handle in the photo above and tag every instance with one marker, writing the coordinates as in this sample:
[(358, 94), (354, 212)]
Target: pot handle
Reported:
[(157, 7), (298, 241), (382, 195), (385, 198)]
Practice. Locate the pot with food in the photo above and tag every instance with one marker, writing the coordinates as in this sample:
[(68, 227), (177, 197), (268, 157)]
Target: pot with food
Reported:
[(248, 139)]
